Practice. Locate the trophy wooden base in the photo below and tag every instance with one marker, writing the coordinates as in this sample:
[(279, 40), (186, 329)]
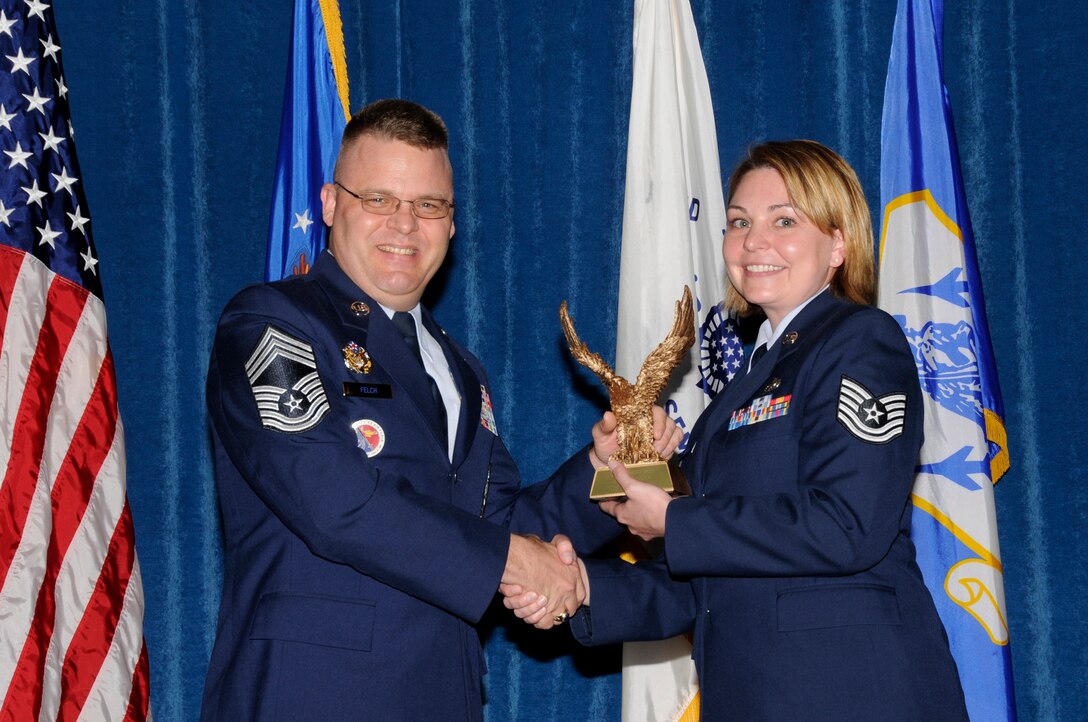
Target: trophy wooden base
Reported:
[(661, 474)]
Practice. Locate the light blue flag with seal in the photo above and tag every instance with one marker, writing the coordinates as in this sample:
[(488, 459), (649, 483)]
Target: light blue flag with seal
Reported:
[(929, 281), (315, 111)]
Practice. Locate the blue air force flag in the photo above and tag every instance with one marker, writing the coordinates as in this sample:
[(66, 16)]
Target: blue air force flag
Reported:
[(929, 281), (673, 220), (315, 111)]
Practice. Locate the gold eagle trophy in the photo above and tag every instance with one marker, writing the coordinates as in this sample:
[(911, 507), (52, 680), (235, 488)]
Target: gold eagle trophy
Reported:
[(633, 403)]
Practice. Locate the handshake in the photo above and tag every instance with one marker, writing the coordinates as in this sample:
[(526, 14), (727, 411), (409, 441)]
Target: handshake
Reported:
[(543, 583), (546, 583)]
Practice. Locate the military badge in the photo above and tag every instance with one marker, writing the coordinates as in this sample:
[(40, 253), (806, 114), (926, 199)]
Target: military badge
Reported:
[(369, 436), (487, 413), (869, 418), (283, 376), (762, 409), (356, 358)]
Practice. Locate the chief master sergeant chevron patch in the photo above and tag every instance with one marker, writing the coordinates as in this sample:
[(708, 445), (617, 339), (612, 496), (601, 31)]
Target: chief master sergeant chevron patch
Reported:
[(283, 377)]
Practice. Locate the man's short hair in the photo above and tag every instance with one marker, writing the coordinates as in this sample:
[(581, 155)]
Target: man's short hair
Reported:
[(396, 119)]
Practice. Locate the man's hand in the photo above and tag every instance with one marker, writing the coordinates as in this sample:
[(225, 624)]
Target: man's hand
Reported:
[(643, 512), (542, 581), (667, 437)]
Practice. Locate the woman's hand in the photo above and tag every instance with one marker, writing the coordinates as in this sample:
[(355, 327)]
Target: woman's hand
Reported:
[(667, 437), (643, 511)]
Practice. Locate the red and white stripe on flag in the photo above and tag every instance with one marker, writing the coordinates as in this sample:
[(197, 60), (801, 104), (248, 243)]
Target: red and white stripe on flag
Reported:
[(71, 600)]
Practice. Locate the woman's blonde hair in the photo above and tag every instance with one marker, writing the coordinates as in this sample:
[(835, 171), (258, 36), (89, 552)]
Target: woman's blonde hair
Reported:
[(825, 188)]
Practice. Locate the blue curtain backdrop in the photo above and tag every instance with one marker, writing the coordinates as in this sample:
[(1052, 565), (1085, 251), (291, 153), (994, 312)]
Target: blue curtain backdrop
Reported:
[(176, 107)]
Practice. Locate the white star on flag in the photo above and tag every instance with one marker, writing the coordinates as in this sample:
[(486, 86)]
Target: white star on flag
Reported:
[(62, 91), (36, 101), (35, 8), (78, 221), (18, 156), (33, 195), (5, 24), (5, 212), (64, 181), (48, 236), (20, 62), (49, 48), (50, 140), (303, 221), (5, 117), (89, 262)]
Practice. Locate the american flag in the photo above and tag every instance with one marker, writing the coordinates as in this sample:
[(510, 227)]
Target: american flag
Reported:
[(71, 600)]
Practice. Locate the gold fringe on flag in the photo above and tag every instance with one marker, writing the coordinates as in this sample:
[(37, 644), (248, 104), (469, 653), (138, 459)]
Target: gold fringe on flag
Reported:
[(334, 34)]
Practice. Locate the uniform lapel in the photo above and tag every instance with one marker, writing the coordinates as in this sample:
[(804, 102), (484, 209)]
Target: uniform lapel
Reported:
[(467, 382), (717, 415), (745, 385), (379, 336)]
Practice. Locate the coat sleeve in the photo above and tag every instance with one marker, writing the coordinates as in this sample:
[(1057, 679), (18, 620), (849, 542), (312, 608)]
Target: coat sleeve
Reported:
[(851, 490), (560, 505), (330, 495), (633, 602)]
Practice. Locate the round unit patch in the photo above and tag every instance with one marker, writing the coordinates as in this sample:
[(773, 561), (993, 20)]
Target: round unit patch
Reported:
[(369, 436)]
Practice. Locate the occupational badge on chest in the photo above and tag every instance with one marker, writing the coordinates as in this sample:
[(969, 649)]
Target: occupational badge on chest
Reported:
[(487, 413), (763, 408), (369, 436), (356, 358)]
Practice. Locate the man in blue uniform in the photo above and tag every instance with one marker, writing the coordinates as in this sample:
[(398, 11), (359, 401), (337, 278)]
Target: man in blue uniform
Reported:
[(367, 498)]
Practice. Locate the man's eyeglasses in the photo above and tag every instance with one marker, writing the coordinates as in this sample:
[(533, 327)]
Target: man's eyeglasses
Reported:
[(386, 205)]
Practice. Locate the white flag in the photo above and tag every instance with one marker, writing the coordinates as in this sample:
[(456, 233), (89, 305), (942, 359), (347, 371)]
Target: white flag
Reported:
[(673, 220)]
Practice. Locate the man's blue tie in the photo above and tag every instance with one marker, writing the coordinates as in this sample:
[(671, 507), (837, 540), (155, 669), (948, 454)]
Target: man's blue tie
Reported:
[(407, 327)]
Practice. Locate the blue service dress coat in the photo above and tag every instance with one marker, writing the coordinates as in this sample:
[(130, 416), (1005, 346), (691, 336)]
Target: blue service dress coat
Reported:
[(791, 563), (357, 557)]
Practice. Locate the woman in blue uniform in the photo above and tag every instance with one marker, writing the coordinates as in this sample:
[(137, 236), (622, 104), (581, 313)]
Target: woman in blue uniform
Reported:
[(791, 562)]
